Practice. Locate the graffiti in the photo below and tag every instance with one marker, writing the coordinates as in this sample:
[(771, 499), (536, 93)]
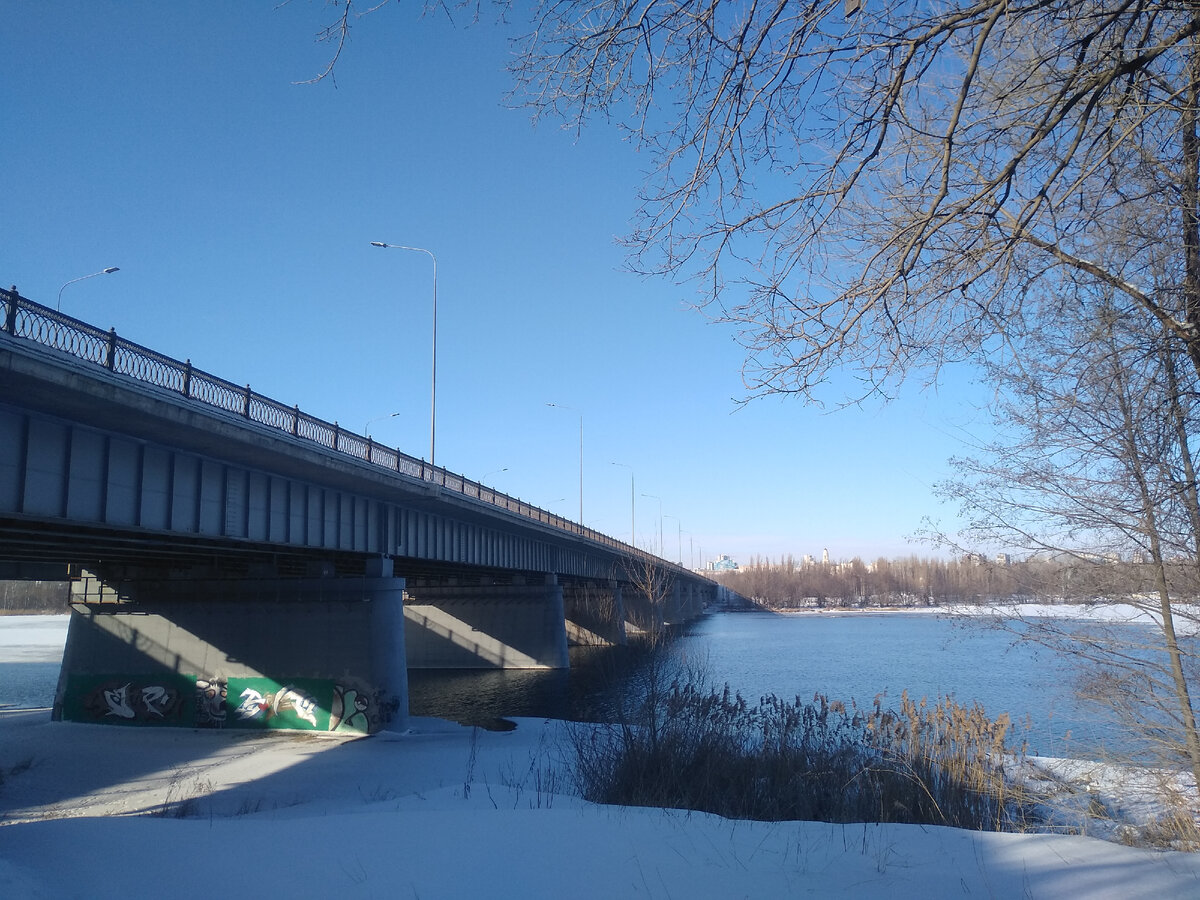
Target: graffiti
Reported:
[(124, 699), (349, 711), (309, 704), (303, 705), (253, 705), (118, 702), (265, 703), (210, 703), (157, 699)]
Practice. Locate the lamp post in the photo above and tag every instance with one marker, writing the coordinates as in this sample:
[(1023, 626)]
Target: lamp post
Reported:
[(679, 537), (632, 514), (107, 271), (493, 472), (573, 409), (433, 379), (660, 518), (377, 419)]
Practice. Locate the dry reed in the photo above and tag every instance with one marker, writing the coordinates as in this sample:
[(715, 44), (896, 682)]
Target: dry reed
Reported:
[(693, 748)]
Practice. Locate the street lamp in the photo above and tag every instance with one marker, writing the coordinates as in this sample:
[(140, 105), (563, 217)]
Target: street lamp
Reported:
[(107, 271), (679, 537), (632, 514), (493, 472), (433, 380), (377, 419), (660, 518), (573, 409)]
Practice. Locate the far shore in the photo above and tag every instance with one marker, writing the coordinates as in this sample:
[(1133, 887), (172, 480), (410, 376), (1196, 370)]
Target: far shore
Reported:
[(1187, 615)]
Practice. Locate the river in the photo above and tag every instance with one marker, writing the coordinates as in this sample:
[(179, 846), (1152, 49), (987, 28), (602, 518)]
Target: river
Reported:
[(847, 657)]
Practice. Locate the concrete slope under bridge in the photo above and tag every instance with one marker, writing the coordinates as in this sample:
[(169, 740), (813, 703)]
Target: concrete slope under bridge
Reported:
[(238, 562)]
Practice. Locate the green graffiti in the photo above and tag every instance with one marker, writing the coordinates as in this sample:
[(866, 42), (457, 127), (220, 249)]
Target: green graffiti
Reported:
[(301, 703), (306, 704), (130, 699)]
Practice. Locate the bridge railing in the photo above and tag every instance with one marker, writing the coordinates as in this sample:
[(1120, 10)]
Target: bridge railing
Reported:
[(31, 321)]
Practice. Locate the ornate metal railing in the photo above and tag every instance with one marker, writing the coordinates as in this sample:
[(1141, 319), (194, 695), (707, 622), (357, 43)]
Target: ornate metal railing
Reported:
[(23, 318)]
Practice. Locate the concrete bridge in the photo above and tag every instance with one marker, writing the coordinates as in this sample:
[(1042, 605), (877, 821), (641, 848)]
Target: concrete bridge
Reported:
[(239, 563)]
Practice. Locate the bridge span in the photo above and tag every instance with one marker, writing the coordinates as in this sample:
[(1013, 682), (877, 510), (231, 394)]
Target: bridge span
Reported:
[(239, 563)]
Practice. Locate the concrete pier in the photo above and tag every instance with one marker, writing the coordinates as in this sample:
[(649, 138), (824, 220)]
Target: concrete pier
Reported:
[(458, 624), (313, 654)]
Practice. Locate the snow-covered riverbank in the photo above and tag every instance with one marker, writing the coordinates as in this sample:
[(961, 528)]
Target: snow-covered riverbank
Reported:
[(1187, 615), (445, 811)]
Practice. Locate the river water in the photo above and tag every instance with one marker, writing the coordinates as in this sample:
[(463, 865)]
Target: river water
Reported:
[(846, 657)]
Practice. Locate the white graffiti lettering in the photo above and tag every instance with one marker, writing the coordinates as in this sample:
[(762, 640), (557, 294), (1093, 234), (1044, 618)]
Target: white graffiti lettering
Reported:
[(118, 703), (304, 705), (156, 698), (253, 704)]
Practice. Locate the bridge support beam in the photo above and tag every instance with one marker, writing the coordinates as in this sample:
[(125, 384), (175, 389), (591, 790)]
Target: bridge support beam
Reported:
[(683, 603), (311, 654), (595, 614), (457, 624), (644, 614)]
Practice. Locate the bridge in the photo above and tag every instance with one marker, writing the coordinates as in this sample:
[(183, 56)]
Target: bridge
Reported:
[(237, 562)]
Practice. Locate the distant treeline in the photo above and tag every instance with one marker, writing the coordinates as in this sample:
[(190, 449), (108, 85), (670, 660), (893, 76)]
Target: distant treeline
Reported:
[(917, 581), (34, 596)]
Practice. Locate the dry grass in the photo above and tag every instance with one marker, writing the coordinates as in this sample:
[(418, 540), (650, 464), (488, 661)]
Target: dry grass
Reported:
[(712, 751)]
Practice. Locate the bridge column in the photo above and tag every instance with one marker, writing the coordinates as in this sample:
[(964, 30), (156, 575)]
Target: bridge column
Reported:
[(457, 624), (690, 604), (595, 615), (313, 654), (643, 612), (673, 603)]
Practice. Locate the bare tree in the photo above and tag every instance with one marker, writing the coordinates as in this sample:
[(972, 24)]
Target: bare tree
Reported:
[(1095, 463), (882, 192), (649, 585)]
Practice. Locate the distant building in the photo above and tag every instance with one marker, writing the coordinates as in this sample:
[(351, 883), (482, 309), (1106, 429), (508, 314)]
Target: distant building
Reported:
[(807, 559), (722, 563), (1002, 559), (825, 557)]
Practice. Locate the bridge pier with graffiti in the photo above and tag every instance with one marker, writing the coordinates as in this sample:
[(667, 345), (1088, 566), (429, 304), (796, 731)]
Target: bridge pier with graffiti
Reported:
[(237, 563)]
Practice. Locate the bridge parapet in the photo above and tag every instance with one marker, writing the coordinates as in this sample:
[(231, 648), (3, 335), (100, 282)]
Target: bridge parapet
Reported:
[(192, 499), (25, 319)]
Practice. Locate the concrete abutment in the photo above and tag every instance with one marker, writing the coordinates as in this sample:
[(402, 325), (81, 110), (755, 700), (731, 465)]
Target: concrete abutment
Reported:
[(313, 654), (465, 624), (595, 614)]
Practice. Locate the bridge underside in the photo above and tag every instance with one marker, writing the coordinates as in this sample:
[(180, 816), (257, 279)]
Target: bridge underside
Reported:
[(230, 568)]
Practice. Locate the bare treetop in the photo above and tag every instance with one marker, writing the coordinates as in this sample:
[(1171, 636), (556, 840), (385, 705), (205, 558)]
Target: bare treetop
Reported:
[(886, 187), (884, 191)]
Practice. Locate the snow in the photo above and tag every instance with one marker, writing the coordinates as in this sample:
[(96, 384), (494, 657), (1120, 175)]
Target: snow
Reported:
[(33, 638), (1187, 615), (449, 811), (1145, 612), (443, 810)]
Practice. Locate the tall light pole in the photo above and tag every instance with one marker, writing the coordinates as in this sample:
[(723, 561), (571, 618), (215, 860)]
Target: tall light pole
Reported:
[(107, 271), (660, 518), (573, 409), (679, 537), (433, 380), (632, 514)]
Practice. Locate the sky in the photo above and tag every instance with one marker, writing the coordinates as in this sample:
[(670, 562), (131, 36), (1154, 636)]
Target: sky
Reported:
[(174, 141)]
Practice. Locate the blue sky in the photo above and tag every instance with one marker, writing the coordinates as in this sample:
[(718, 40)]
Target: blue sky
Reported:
[(170, 139)]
